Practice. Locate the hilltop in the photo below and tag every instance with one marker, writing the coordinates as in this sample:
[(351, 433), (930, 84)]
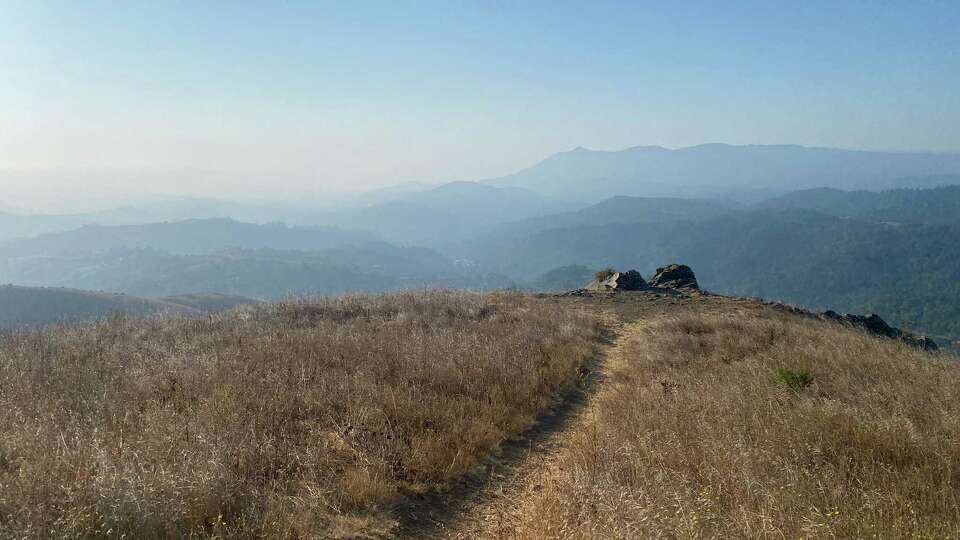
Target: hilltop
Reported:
[(446, 414)]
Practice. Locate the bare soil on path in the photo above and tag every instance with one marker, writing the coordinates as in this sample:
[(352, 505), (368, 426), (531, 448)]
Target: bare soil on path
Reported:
[(488, 502), (496, 509)]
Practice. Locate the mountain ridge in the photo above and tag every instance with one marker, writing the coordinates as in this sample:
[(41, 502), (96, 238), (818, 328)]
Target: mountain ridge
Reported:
[(698, 170)]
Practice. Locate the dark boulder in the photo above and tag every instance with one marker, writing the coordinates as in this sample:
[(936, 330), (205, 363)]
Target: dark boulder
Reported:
[(675, 276), (920, 342), (871, 323)]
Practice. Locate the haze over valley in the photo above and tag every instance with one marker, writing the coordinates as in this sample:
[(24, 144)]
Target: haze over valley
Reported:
[(764, 221)]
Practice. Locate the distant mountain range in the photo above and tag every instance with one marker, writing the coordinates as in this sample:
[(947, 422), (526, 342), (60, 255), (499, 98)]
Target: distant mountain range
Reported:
[(753, 220), (445, 214), (415, 214), (19, 224), (193, 236), (620, 209), (228, 257), (434, 216), (721, 170)]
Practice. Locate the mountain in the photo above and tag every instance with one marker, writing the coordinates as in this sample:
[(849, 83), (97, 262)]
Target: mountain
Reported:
[(920, 206), (371, 197), (186, 208), (562, 278), (183, 237), (445, 214), (19, 224), (619, 209), (718, 169)]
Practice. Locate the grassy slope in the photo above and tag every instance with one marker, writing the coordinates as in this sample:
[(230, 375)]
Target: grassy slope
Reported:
[(303, 419), (317, 418), (695, 436)]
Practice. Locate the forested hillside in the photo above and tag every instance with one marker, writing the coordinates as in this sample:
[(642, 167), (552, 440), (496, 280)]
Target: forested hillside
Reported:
[(921, 206), (909, 274)]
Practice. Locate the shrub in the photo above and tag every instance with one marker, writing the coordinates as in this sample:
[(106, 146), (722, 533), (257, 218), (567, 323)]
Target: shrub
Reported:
[(794, 379)]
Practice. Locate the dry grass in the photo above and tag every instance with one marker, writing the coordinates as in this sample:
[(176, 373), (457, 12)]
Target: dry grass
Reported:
[(738, 426), (306, 419)]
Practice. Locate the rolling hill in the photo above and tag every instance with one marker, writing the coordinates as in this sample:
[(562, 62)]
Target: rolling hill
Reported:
[(443, 414), (29, 306), (22, 306), (152, 271)]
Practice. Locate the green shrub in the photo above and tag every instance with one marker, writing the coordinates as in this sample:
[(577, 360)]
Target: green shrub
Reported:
[(794, 379)]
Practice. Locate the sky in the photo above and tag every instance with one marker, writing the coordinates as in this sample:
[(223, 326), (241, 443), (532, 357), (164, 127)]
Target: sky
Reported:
[(275, 99)]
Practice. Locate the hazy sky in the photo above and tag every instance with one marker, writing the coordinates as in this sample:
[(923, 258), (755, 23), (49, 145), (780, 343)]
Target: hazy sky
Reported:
[(279, 98)]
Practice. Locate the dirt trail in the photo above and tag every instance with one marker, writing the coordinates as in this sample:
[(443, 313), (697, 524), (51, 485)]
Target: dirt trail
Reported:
[(492, 510), (486, 502)]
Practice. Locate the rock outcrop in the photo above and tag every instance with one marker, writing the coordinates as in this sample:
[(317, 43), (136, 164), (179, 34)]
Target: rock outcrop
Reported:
[(874, 324), (631, 280), (675, 276)]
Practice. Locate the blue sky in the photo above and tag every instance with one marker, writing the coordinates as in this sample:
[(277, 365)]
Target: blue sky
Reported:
[(203, 97)]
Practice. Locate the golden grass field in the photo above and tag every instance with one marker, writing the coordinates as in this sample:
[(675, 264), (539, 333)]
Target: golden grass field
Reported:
[(299, 420), (697, 434), (706, 417)]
